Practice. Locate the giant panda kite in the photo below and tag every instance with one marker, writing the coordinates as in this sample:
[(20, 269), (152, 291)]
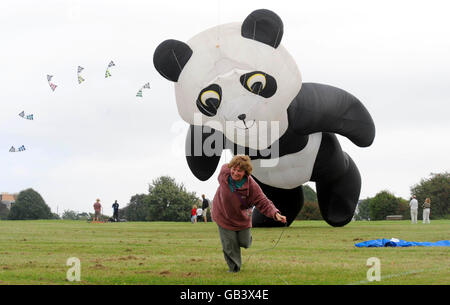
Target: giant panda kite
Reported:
[(232, 82)]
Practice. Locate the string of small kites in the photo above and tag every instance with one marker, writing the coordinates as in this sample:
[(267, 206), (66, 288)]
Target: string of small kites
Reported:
[(53, 87)]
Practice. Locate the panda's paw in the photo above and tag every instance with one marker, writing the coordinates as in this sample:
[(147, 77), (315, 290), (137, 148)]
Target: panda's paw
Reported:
[(288, 201), (259, 220), (338, 211), (338, 198)]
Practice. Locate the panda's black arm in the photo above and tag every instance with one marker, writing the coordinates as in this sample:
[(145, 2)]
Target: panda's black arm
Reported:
[(204, 147), (323, 108)]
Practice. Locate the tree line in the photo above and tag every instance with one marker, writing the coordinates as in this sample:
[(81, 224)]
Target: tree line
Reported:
[(385, 203), (168, 200), (437, 188), (28, 205)]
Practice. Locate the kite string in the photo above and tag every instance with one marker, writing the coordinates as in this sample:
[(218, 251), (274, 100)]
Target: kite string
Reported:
[(270, 248), (273, 247), (218, 22)]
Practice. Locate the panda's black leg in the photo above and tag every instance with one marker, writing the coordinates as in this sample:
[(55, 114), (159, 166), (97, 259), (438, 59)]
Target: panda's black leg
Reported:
[(338, 182), (203, 163), (289, 202)]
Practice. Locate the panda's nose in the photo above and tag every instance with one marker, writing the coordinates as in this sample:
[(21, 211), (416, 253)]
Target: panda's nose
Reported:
[(242, 116)]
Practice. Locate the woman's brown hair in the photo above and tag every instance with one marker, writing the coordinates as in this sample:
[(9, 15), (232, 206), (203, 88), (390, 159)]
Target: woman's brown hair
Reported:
[(243, 162)]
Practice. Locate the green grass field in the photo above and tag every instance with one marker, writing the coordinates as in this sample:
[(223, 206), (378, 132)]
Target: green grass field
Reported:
[(309, 252)]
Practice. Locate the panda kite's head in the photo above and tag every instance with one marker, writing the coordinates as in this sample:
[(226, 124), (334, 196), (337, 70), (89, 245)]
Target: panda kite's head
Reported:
[(235, 74)]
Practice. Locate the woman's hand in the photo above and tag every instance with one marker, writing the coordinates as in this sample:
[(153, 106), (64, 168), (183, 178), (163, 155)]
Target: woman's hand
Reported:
[(279, 217)]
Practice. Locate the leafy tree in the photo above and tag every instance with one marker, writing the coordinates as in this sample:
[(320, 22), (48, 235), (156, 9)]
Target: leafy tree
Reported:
[(437, 188), (310, 211), (169, 201), (71, 215), (363, 210), (166, 201), (4, 211), (30, 205), (309, 194), (403, 208), (83, 216), (383, 204), (137, 209)]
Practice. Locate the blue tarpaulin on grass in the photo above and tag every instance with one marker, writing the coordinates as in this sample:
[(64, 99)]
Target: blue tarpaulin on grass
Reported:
[(401, 243)]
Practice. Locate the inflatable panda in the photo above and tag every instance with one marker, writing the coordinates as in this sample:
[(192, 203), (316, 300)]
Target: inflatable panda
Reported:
[(240, 89)]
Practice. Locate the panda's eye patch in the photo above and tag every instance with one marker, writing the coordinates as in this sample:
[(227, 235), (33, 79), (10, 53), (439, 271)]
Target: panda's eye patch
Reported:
[(209, 99), (209, 94), (259, 83), (256, 82)]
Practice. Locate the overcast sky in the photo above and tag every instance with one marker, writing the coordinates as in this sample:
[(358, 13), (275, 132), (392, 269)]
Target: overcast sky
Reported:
[(98, 140)]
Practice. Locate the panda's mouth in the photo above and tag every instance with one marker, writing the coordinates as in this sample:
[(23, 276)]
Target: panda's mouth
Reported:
[(242, 124)]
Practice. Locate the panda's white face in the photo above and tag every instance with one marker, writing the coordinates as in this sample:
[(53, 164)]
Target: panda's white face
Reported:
[(235, 83)]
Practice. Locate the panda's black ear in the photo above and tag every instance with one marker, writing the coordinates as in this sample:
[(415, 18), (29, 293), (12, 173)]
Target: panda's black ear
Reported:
[(264, 26), (170, 57)]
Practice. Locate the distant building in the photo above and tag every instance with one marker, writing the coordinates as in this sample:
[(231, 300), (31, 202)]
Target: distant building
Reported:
[(8, 199)]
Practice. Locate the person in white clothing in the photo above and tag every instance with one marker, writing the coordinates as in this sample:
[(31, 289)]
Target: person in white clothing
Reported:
[(199, 213), (414, 205), (426, 210)]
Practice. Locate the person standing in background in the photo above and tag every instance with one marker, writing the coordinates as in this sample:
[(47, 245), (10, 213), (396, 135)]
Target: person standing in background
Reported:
[(115, 207), (97, 210), (414, 205), (199, 214), (205, 206), (426, 210), (194, 214)]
